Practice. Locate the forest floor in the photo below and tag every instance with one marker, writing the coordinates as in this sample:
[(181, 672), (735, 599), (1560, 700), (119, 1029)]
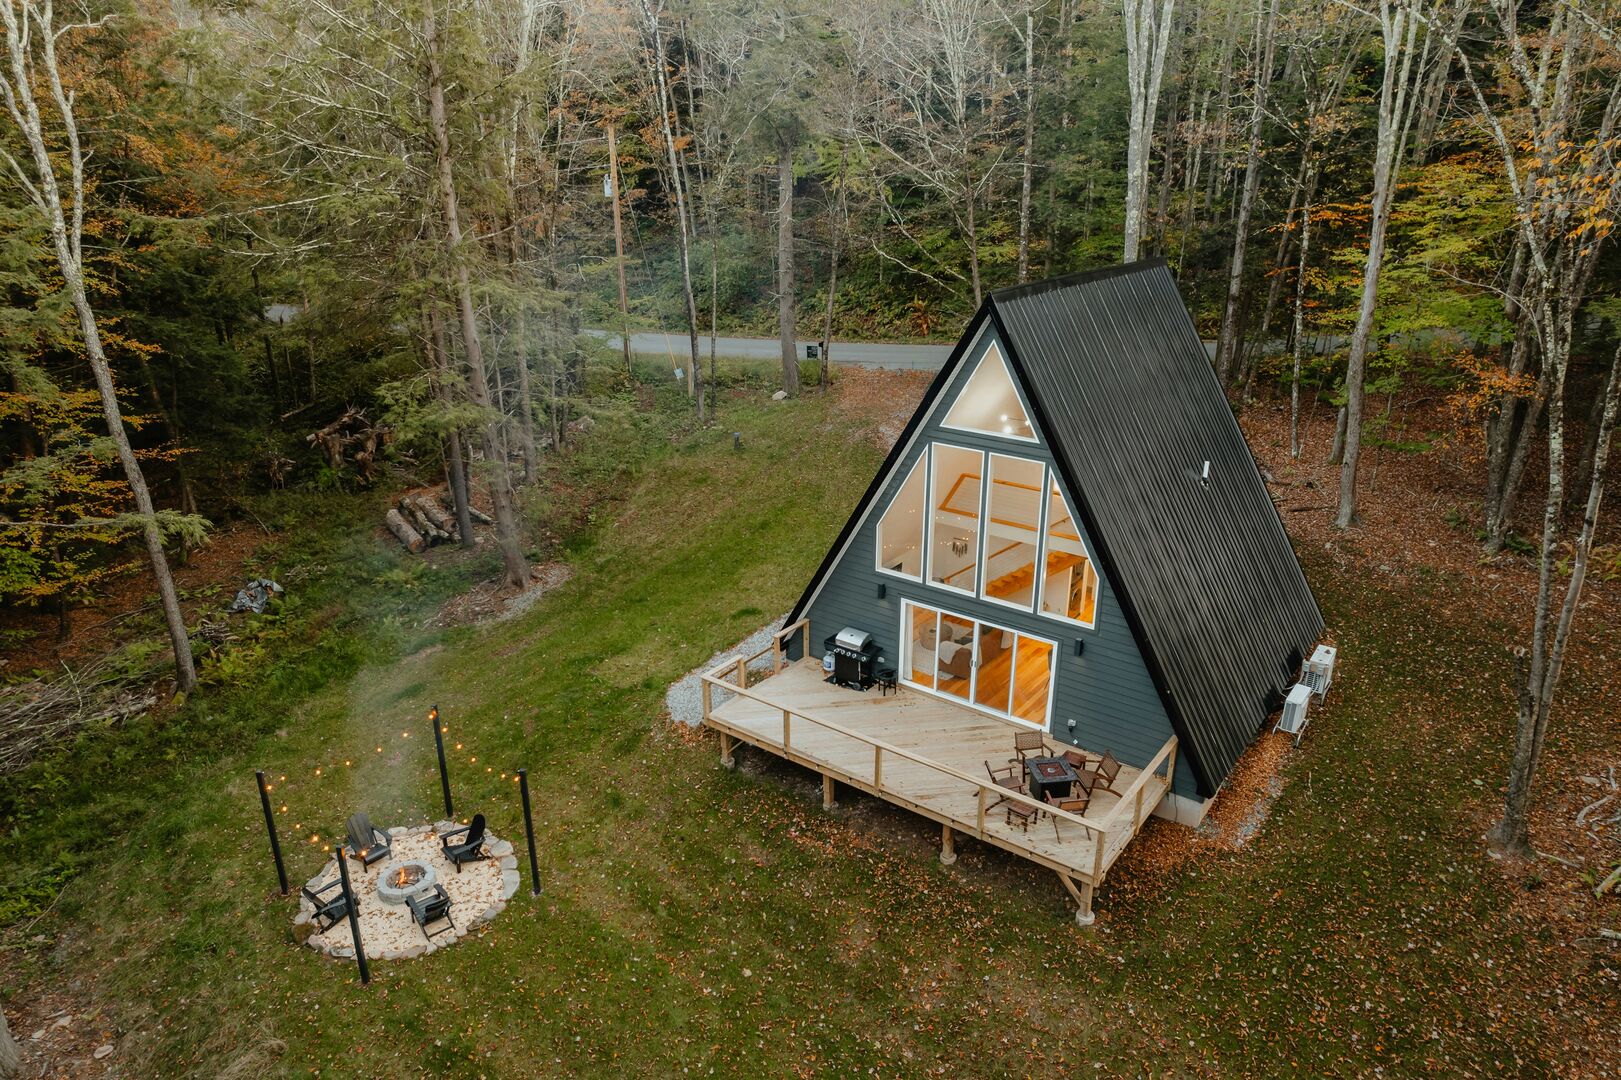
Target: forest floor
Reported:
[(1358, 928)]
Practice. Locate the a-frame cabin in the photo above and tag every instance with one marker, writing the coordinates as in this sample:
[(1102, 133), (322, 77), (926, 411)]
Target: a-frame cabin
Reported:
[(1070, 542)]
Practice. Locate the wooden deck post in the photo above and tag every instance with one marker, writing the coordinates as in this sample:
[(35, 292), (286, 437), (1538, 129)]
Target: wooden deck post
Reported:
[(727, 743), (948, 846), (829, 790), (708, 704), (785, 715), (1082, 895), (776, 655), (878, 767), (982, 813)]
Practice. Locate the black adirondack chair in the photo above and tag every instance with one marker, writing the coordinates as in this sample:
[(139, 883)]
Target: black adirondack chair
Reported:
[(428, 907), (465, 844), (367, 843), (330, 904)]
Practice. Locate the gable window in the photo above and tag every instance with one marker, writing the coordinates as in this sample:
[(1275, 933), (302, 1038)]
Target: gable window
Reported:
[(1070, 584), (900, 530), (999, 670), (954, 484), (989, 403), (1012, 530)]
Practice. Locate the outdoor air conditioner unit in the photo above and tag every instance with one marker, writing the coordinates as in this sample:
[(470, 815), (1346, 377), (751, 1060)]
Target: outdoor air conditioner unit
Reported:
[(1319, 670), (1293, 720)]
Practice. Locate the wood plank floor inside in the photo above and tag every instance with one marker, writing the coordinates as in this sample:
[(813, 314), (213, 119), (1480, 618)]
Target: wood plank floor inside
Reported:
[(932, 728)]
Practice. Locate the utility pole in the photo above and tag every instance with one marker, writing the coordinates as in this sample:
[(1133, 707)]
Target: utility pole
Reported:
[(619, 247)]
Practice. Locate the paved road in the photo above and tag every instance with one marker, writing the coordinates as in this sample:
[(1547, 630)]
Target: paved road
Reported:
[(860, 353)]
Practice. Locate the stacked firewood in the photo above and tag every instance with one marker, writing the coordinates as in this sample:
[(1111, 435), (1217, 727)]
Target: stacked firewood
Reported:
[(419, 522)]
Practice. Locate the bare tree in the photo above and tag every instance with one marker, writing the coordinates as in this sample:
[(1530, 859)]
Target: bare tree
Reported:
[(1266, 20), (1405, 59), (31, 39), (1562, 182), (506, 524), (1148, 34)]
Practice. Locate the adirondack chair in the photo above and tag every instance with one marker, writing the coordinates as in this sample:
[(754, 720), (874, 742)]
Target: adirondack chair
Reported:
[(465, 844), (330, 904), (428, 907), (367, 843)]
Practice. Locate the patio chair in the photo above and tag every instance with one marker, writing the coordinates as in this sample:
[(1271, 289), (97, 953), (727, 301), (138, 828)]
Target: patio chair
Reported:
[(470, 845), (331, 905), (1074, 804), (1079, 760), (429, 907), (1022, 814), (367, 843), (1106, 770), (1026, 743), (1010, 778)]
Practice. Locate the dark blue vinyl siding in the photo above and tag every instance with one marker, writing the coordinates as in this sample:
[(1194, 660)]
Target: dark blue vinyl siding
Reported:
[(1106, 691)]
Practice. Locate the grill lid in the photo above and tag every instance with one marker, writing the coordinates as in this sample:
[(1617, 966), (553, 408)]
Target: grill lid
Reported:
[(853, 639)]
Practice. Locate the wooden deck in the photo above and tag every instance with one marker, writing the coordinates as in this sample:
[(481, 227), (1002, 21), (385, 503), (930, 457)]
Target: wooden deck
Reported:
[(926, 754)]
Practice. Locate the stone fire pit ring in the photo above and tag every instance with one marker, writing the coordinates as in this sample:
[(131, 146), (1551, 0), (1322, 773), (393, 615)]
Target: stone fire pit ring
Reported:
[(477, 895)]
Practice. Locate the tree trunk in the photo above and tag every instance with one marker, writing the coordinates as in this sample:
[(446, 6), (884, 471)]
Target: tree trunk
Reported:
[(785, 264), (69, 256), (677, 181), (478, 391), (1400, 33), (1029, 147), (619, 250), (1228, 341), (11, 1055), (973, 245), (1336, 452), (1148, 33), (455, 464), (1299, 329), (525, 404)]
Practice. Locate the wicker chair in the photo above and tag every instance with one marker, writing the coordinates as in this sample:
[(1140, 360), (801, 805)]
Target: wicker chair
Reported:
[(1074, 804)]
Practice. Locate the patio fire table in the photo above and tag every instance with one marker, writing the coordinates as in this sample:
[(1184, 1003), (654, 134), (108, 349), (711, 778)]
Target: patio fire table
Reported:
[(1050, 776)]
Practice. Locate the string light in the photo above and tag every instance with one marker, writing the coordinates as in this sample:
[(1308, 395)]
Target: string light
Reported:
[(379, 749), (317, 772)]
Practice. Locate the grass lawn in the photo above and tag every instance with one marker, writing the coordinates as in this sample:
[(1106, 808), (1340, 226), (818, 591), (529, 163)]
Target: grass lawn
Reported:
[(701, 921)]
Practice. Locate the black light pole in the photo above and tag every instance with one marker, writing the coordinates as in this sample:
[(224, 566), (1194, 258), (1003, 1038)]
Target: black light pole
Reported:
[(529, 831), (354, 919), (444, 774), (270, 827)]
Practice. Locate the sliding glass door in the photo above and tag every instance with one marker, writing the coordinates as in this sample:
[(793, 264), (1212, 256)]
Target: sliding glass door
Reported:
[(991, 667)]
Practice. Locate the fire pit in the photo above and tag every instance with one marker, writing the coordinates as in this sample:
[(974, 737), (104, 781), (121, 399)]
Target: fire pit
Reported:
[(398, 880)]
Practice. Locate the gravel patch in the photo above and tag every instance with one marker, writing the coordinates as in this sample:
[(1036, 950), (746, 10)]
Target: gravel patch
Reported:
[(685, 699)]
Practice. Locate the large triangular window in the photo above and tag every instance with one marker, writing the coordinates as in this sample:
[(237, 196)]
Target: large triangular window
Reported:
[(900, 530), (989, 403)]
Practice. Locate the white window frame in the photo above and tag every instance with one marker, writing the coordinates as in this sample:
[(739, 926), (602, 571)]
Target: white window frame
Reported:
[(1041, 534), (1024, 405), (971, 702), (923, 461), (979, 522), (1086, 551)]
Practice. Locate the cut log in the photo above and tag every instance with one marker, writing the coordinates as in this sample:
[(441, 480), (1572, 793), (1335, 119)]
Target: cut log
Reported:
[(419, 521), (442, 521), (404, 533)]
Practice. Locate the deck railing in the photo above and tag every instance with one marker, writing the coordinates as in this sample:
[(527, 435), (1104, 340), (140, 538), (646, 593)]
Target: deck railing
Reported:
[(986, 789)]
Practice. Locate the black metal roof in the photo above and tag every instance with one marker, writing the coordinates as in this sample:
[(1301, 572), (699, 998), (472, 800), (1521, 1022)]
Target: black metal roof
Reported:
[(1123, 390)]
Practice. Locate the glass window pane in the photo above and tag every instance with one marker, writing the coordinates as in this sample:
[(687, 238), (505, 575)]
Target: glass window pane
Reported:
[(920, 642), (989, 403), (900, 530), (954, 521), (1070, 588), (1012, 527), (1033, 672), (995, 667), (955, 655)]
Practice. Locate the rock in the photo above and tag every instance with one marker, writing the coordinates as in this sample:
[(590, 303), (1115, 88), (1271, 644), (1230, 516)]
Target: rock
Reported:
[(780, 395), (413, 952), (499, 848), (509, 884), (342, 952), (38, 1035), (509, 862), (104, 1050), (63, 1021), (399, 830)]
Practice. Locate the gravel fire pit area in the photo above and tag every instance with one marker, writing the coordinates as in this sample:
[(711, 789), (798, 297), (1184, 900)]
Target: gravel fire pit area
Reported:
[(477, 895)]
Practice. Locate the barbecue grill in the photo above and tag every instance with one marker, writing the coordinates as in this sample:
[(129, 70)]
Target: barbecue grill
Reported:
[(855, 656)]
